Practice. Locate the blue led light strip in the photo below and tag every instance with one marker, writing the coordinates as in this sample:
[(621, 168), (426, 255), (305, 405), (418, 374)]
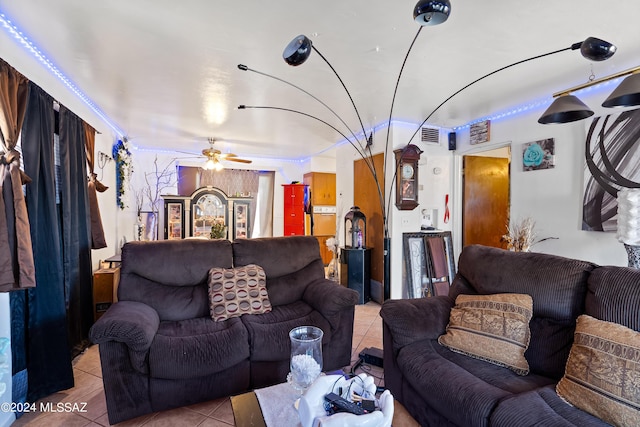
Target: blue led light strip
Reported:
[(33, 50)]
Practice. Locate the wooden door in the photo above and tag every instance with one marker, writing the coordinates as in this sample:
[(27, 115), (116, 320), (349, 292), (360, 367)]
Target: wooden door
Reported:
[(365, 195), (485, 200)]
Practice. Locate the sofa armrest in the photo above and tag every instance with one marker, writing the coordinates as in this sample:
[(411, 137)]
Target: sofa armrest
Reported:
[(129, 322), (330, 299), (411, 320)]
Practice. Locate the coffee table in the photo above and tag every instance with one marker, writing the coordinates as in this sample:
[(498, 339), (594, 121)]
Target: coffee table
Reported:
[(247, 413)]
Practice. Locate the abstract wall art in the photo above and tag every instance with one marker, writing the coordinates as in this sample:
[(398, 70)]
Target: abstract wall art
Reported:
[(612, 162)]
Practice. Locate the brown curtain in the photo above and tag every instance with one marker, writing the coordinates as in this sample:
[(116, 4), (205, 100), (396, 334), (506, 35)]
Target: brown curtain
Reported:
[(16, 255), (97, 232)]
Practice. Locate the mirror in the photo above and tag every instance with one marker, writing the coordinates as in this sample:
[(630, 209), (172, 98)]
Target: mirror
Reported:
[(429, 263)]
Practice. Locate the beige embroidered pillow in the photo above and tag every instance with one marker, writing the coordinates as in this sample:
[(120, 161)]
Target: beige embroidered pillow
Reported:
[(602, 376), (237, 291), (494, 328)]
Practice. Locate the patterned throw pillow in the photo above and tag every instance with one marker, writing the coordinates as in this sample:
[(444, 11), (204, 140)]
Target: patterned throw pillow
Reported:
[(602, 376), (237, 291), (493, 328)]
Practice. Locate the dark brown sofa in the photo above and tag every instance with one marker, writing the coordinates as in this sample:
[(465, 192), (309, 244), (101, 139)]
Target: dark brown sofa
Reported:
[(442, 388), (159, 347)]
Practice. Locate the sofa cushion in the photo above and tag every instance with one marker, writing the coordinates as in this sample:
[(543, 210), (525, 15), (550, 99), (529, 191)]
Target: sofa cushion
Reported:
[(197, 347), (171, 275), (290, 263), (557, 285), (269, 332), (603, 372), (541, 407), (465, 390), (614, 295), (494, 328), (237, 291)]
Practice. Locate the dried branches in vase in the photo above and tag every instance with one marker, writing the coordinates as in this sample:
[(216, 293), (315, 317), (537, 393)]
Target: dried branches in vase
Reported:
[(521, 236)]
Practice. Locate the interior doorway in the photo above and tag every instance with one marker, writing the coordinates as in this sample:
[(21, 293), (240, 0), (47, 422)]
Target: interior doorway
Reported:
[(486, 197)]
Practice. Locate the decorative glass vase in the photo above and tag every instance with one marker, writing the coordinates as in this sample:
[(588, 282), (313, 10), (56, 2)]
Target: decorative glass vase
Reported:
[(139, 229), (306, 356), (332, 269)]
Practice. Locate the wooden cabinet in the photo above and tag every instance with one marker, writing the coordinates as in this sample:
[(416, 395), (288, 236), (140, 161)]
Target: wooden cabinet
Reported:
[(322, 187), (105, 290), (294, 205)]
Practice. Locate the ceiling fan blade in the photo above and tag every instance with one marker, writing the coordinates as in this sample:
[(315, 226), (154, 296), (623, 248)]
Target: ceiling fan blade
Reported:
[(234, 159)]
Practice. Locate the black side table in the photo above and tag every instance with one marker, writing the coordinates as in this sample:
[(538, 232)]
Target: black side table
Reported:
[(355, 271)]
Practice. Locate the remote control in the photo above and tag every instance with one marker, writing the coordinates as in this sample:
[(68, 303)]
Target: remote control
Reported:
[(343, 405)]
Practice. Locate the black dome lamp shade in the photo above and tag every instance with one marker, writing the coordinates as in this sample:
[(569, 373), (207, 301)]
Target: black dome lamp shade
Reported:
[(596, 49), (627, 94), (431, 12), (566, 108), (297, 51)]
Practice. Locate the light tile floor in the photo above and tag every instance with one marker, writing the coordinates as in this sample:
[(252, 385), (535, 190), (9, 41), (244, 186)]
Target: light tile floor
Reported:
[(367, 332)]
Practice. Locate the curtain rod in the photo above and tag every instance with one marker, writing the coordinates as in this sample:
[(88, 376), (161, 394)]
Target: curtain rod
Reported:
[(56, 107)]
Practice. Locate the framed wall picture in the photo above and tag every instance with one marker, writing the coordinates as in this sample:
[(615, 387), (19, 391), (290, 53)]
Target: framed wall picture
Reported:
[(538, 155), (150, 223)]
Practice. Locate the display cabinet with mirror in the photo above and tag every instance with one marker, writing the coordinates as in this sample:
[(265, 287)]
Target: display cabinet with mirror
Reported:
[(194, 215), (208, 207), (429, 263)]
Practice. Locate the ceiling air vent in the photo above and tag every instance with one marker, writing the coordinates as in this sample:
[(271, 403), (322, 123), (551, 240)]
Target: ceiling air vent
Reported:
[(430, 136)]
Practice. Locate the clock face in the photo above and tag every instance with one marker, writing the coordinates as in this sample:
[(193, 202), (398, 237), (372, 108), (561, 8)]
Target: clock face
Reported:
[(407, 171)]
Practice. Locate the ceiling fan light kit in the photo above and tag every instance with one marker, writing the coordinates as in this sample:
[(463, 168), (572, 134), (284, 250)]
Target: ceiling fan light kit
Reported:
[(215, 157)]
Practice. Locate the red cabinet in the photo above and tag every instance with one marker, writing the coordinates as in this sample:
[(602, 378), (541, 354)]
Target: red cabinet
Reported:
[(294, 203)]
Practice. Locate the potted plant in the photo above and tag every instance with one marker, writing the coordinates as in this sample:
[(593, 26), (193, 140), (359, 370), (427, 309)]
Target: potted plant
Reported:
[(218, 231)]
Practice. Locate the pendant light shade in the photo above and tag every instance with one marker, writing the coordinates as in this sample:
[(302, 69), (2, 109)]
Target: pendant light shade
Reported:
[(627, 94), (565, 109), (431, 12), (596, 49), (297, 51)]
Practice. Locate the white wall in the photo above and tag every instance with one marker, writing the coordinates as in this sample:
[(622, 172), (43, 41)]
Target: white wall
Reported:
[(553, 197)]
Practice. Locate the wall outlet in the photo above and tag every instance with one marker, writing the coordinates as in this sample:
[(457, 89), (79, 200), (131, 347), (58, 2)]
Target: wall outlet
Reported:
[(405, 222)]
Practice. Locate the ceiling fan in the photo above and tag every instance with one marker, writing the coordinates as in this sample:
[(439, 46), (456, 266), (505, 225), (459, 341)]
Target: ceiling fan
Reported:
[(215, 157)]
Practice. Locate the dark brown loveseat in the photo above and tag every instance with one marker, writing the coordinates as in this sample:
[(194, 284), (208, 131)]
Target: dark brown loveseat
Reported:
[(442, 388), (159, 347)]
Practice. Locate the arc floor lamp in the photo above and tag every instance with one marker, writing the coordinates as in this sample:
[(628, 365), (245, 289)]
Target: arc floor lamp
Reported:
[(425, 13)]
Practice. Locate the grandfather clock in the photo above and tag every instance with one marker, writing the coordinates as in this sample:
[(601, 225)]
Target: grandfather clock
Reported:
[(407, 177)]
